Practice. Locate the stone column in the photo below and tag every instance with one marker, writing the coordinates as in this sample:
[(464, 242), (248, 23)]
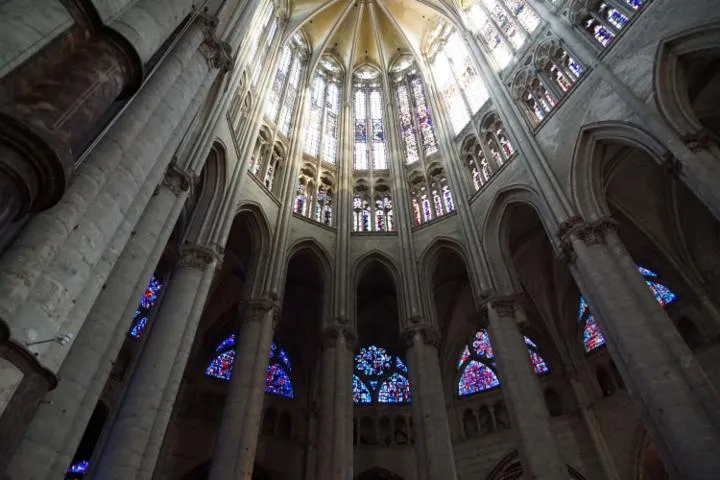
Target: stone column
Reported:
[(84, 372), (429, 411), (335, 401), (539, 449), (43, 125), (672, 394), (136, 433), (236, 441)]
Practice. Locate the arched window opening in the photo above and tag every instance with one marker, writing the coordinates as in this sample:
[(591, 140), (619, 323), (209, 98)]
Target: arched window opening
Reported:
[(476, 162), (322, 130), (277, 373), (261, 152), (503, 26), (532, 93), (261, 40), (559, 70), (145, 308), (496, 140), (369, 149), (592, 336), (375, 215), (280, 106), (314, 199), (458, 80), (478, 372), (416, 127), (605, 381), (690, 333), (269, 421), (380, 377), (273, 166), (603, 20), (552, 401)]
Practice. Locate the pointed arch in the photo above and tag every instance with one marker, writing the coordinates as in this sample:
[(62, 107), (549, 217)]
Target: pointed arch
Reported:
[(495, 232), (376, 473), (586, 179), (212, 192)]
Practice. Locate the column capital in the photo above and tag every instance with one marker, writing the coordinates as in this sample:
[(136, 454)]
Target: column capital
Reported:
[(176, 179), (332, 334), (430, 335), (198, 256), (698, 141), (256, 309), (505, 305), (218, 53), (589, 233)]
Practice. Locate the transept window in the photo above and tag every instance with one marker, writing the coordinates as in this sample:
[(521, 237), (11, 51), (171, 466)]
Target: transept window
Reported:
[(369, 132), (372, 208), (459, 82), (416, 127), (592, 336), (277, 373), (379, 377), (283, 94), (145, 307), (322, 130), (603, 20), (503, 25), (478, 372)]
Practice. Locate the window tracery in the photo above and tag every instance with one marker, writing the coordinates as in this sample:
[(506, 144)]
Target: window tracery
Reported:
[(314, 195), (458, 81), (592, 335), (560, 70), (369, 132), (380, 377), (416, 128), (145, 308), (430, 197), (534, 96), (478, 371), (603, 20), (261, 41), (322, 129), (277, 373), (504, 26), (373, 210), (282, 98)]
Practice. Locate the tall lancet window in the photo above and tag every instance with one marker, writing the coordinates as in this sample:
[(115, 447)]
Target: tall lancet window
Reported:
[(322, 129), (369, 132), (284, 91), (416, 127), (503, 25), (603, 20), (262, 37), (458, 80)]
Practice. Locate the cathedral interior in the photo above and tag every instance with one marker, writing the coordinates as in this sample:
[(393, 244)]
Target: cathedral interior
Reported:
[(441, 239)]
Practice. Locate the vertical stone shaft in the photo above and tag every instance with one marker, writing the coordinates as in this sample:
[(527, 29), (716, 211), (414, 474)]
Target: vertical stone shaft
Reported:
[(342, 399), (437, 461), (671, 392), (540, 452), (69, 406), (145, 409), (325, 437), (234, 453)]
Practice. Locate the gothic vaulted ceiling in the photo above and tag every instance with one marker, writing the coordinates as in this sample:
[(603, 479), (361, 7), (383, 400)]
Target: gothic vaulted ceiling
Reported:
[(365, 31)]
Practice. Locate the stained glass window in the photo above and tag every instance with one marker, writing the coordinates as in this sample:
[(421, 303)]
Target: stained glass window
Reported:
[(369, 132), (261, 42), (317, 101), (380, 377), (332, 111), (592, 335), (286, 114), (321, 138), (77, 470), (273, 101), (147, 302), (477, 364), (458, 80), (423, 117), (360, 151), (416, 127), (407, 128), (277, 373)]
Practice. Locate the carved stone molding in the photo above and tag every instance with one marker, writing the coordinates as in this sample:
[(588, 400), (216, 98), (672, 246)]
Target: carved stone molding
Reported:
[(197, 256), (257, 309), (590, 233), (504, 308), (176, 180), (331, 335), (217, 52), (429, 334), (698, 141), (671, 165)]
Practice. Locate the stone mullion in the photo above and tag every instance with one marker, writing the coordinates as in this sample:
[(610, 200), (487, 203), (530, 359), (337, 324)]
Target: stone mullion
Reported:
[(540, 451), (535, 161), (447, 149), (675, 398), (98, 343), (699, 168), (135, 435)]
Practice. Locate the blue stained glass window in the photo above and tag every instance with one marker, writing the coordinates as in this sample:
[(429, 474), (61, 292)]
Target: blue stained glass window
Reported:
[(477, 364), (361, 393), (592, 336), (277, 374), (380, 377), (145, 306), (395, 389), (79, 467)]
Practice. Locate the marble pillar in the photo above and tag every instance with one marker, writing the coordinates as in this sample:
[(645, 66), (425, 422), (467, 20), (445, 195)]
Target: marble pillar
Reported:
[(669, 388), (539, 449), (134, 438)]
